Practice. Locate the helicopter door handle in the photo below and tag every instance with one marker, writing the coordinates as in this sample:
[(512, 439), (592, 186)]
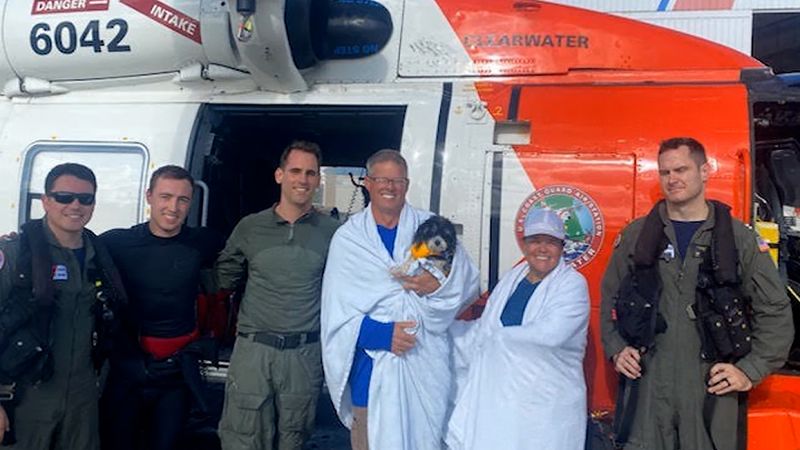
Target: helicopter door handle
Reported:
[(204, 208)]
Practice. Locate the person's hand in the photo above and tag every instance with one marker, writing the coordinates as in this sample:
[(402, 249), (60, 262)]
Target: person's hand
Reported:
[(725, 378), (626, 362), (402, 341), (422, 284), (5, 425)]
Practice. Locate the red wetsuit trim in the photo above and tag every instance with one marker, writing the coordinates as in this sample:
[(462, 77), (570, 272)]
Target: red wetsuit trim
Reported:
[(161, 348)]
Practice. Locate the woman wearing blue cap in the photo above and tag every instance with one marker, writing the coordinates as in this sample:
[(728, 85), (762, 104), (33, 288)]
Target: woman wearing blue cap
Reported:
[(521, 380)]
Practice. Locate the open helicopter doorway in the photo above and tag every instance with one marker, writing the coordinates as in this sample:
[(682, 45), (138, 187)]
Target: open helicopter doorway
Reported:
[(776, 120), (237, 149)]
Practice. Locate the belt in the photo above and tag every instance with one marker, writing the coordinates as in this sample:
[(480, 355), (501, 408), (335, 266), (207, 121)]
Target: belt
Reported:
[(282, 341)]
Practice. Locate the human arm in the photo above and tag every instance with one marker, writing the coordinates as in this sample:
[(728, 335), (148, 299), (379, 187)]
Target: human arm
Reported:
[(771, 320), (438, 309), (210, 243), (627, 362), (422, 284), (8, 258), (5, 424), (388, 336), (613, 342), (231, 266), (725, 378), (402, 341)]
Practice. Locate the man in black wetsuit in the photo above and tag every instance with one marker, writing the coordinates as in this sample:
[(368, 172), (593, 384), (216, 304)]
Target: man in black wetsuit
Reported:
[(161, 263)]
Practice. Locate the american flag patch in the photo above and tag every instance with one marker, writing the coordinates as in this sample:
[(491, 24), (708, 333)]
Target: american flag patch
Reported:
[(763, 246)]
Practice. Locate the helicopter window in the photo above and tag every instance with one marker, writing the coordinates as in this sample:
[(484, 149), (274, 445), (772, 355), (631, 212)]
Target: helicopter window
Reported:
[(119, 169)]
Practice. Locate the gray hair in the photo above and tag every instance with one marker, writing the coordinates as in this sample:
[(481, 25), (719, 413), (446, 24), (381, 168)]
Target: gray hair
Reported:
[(386, 155)]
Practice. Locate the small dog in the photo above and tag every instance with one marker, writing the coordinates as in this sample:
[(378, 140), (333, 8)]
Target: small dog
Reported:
[(432, 249)]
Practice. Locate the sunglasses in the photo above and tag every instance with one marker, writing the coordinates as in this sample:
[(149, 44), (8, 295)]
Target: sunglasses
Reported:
[(65, 198)]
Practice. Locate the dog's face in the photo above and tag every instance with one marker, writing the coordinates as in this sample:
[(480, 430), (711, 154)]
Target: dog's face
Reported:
[(438, 233), (437, 245)]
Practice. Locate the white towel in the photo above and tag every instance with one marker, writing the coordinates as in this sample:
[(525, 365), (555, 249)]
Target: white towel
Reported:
[(523, 386)]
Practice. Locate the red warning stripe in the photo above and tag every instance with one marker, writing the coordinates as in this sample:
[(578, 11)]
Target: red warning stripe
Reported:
[(688, 5), (168, 17)]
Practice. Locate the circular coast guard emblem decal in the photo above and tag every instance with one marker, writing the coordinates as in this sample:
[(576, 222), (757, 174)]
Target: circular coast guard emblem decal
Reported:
[(583, 221)]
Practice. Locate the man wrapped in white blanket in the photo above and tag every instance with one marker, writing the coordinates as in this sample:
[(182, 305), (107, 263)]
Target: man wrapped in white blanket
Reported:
[(520, 365), (408, 391)]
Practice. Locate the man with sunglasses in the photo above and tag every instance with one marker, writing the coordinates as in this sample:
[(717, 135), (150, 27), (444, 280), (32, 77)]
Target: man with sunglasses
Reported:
[(384, 335), (278, 255), (64, 274), (154, 368)]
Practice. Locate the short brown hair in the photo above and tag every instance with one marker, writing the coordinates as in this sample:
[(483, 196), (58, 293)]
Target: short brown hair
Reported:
[(303, 146), (173, 173), (76, 170), (696, 150)]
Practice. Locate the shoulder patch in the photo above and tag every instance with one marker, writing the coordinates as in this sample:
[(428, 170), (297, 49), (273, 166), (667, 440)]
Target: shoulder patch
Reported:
[(763, 246)]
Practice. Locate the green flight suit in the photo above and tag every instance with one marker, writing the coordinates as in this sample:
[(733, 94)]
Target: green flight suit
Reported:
[(271, 394), (60, 413), (673, 385)]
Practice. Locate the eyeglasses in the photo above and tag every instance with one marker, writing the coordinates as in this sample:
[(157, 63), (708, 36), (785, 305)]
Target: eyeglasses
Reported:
[(383, 181), (65, 198)]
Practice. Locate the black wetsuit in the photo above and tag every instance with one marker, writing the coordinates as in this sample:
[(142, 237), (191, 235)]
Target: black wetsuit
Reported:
[(162, 278)]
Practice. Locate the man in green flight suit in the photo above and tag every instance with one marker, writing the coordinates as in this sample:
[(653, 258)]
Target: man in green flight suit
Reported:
[(275, 372), (59, 412), (677, 379)]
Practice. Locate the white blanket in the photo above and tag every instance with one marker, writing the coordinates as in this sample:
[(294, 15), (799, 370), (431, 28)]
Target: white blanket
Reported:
[(408, 395), (524, 386)]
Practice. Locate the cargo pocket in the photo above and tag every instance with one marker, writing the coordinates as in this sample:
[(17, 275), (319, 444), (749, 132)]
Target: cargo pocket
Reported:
[(242, 413), (296, 412)]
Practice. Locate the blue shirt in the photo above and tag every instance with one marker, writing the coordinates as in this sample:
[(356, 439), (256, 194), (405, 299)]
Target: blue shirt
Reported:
[(373, 335), (684, 231), (515, 307), (388, 236), (80, 255)]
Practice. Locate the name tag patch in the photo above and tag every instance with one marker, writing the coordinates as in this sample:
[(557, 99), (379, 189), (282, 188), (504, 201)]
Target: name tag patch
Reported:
[(60, 273)]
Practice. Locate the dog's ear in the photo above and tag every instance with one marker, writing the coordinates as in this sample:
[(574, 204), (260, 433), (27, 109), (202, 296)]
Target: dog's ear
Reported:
[(436, 225), (448, 231), (424, 231)]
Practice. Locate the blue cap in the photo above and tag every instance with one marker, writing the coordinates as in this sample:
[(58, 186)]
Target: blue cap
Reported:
[(544, 221)]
